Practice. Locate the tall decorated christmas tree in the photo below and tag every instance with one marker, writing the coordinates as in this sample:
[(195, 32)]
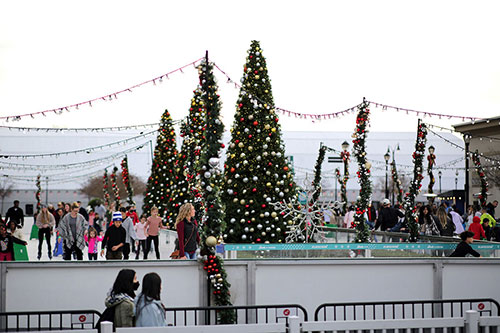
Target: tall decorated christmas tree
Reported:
[(187, 163), (256, 170), (211, 181), (162, 180), (181, 193)]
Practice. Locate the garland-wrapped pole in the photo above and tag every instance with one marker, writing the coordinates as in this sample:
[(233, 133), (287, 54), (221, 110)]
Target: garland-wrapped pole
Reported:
[(211, 184), (416, 183), (116, 190), (397, 182), (105, 190), (344, 155), (38, 194), (431, 159), (359, 151), (126, 181), (483, 196), (316, 192)]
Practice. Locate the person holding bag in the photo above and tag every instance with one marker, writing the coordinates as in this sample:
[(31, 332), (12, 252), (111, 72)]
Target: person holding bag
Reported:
[(187, 232)]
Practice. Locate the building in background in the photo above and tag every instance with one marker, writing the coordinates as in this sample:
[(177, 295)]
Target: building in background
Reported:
[(483, 136)]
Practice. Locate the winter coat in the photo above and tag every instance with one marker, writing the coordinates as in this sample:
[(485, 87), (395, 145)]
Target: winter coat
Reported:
[(66, 233), (387, 218), (478, 230), (128, 225), (149, 312), (449, 229), (124, 309), (50, 224)]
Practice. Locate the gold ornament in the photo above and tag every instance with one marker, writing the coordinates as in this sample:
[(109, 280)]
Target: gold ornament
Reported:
[(267, 126), (269, 185), (368, 165), (211, 241), (241, 145), (274, 214)]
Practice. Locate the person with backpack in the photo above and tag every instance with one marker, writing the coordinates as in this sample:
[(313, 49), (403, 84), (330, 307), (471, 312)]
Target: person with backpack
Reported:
[(149, 310), (120, 300)]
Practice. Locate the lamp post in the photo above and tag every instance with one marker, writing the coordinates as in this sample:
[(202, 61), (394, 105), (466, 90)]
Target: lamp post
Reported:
[(345, 158), (431, 158), (466, 186), (387, 156), (440, 174), (456, 180)]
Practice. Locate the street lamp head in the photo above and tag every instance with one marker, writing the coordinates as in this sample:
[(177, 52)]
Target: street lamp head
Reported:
[(440, 173), (387, 156), (431, 149), (345, 145), (456, 173)]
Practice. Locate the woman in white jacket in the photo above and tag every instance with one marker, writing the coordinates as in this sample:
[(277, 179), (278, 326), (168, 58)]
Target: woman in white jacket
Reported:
[(149, 310)]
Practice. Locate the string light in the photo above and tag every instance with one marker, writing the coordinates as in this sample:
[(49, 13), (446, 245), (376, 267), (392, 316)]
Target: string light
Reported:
[(106, 97), (86, 150)]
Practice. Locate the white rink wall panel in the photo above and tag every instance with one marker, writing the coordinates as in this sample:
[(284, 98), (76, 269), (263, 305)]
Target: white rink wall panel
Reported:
[(57, 286), (345, 281), (308, 282)]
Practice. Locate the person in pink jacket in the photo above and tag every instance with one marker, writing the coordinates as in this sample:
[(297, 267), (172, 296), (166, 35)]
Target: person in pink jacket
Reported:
[(92, 240)]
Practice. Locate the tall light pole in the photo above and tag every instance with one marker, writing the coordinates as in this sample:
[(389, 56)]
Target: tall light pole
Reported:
[(387, 156), (466, 187), (440, 174)]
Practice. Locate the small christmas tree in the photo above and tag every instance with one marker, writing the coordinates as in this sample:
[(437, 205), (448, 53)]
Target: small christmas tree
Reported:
[(161, 183), (256, 169)]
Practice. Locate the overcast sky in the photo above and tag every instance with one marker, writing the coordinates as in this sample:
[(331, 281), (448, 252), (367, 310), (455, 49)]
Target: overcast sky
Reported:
[(323, 56)]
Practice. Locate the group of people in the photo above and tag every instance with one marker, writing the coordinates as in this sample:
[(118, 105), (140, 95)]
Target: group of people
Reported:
[(76, 229), (433, 220), (126, 309)]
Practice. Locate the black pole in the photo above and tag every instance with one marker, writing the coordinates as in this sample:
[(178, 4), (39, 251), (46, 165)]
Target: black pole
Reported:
[(386, 188), (466, 187)]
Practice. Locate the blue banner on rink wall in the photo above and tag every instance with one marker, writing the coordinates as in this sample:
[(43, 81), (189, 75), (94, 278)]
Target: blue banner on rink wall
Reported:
[(354, 246)]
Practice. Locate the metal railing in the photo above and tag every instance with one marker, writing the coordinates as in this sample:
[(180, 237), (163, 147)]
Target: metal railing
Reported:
[(405, 309), (48, 320), (245, 314)]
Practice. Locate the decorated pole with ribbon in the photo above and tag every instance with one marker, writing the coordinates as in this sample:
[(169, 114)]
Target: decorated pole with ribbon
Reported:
[(431, 159), (38, 194), (397, 182), (483, 196), (359, 151), (116, 191), (411, 211), (126, 181)]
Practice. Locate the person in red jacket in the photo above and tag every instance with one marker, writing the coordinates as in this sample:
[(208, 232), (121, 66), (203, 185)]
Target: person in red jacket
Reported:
[(477, 228)]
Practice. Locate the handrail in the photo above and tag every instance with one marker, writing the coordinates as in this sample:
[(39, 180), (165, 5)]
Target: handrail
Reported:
[(373, 306)]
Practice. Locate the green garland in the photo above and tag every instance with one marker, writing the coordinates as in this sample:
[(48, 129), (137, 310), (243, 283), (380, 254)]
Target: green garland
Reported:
[(105, 190), (411, 211), (397, 182), (126, 181), (211, 187), (359, 151), (116, 190), (38, 194), (316, 184), (483, 196), (431, 158)]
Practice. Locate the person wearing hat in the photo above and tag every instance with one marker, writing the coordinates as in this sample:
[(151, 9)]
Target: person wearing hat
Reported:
[(387, 217), (72, 229), (45, 222), (114, 239)]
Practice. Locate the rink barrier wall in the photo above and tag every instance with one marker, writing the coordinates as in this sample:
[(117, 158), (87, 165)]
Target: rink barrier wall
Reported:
[(35, 286)]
